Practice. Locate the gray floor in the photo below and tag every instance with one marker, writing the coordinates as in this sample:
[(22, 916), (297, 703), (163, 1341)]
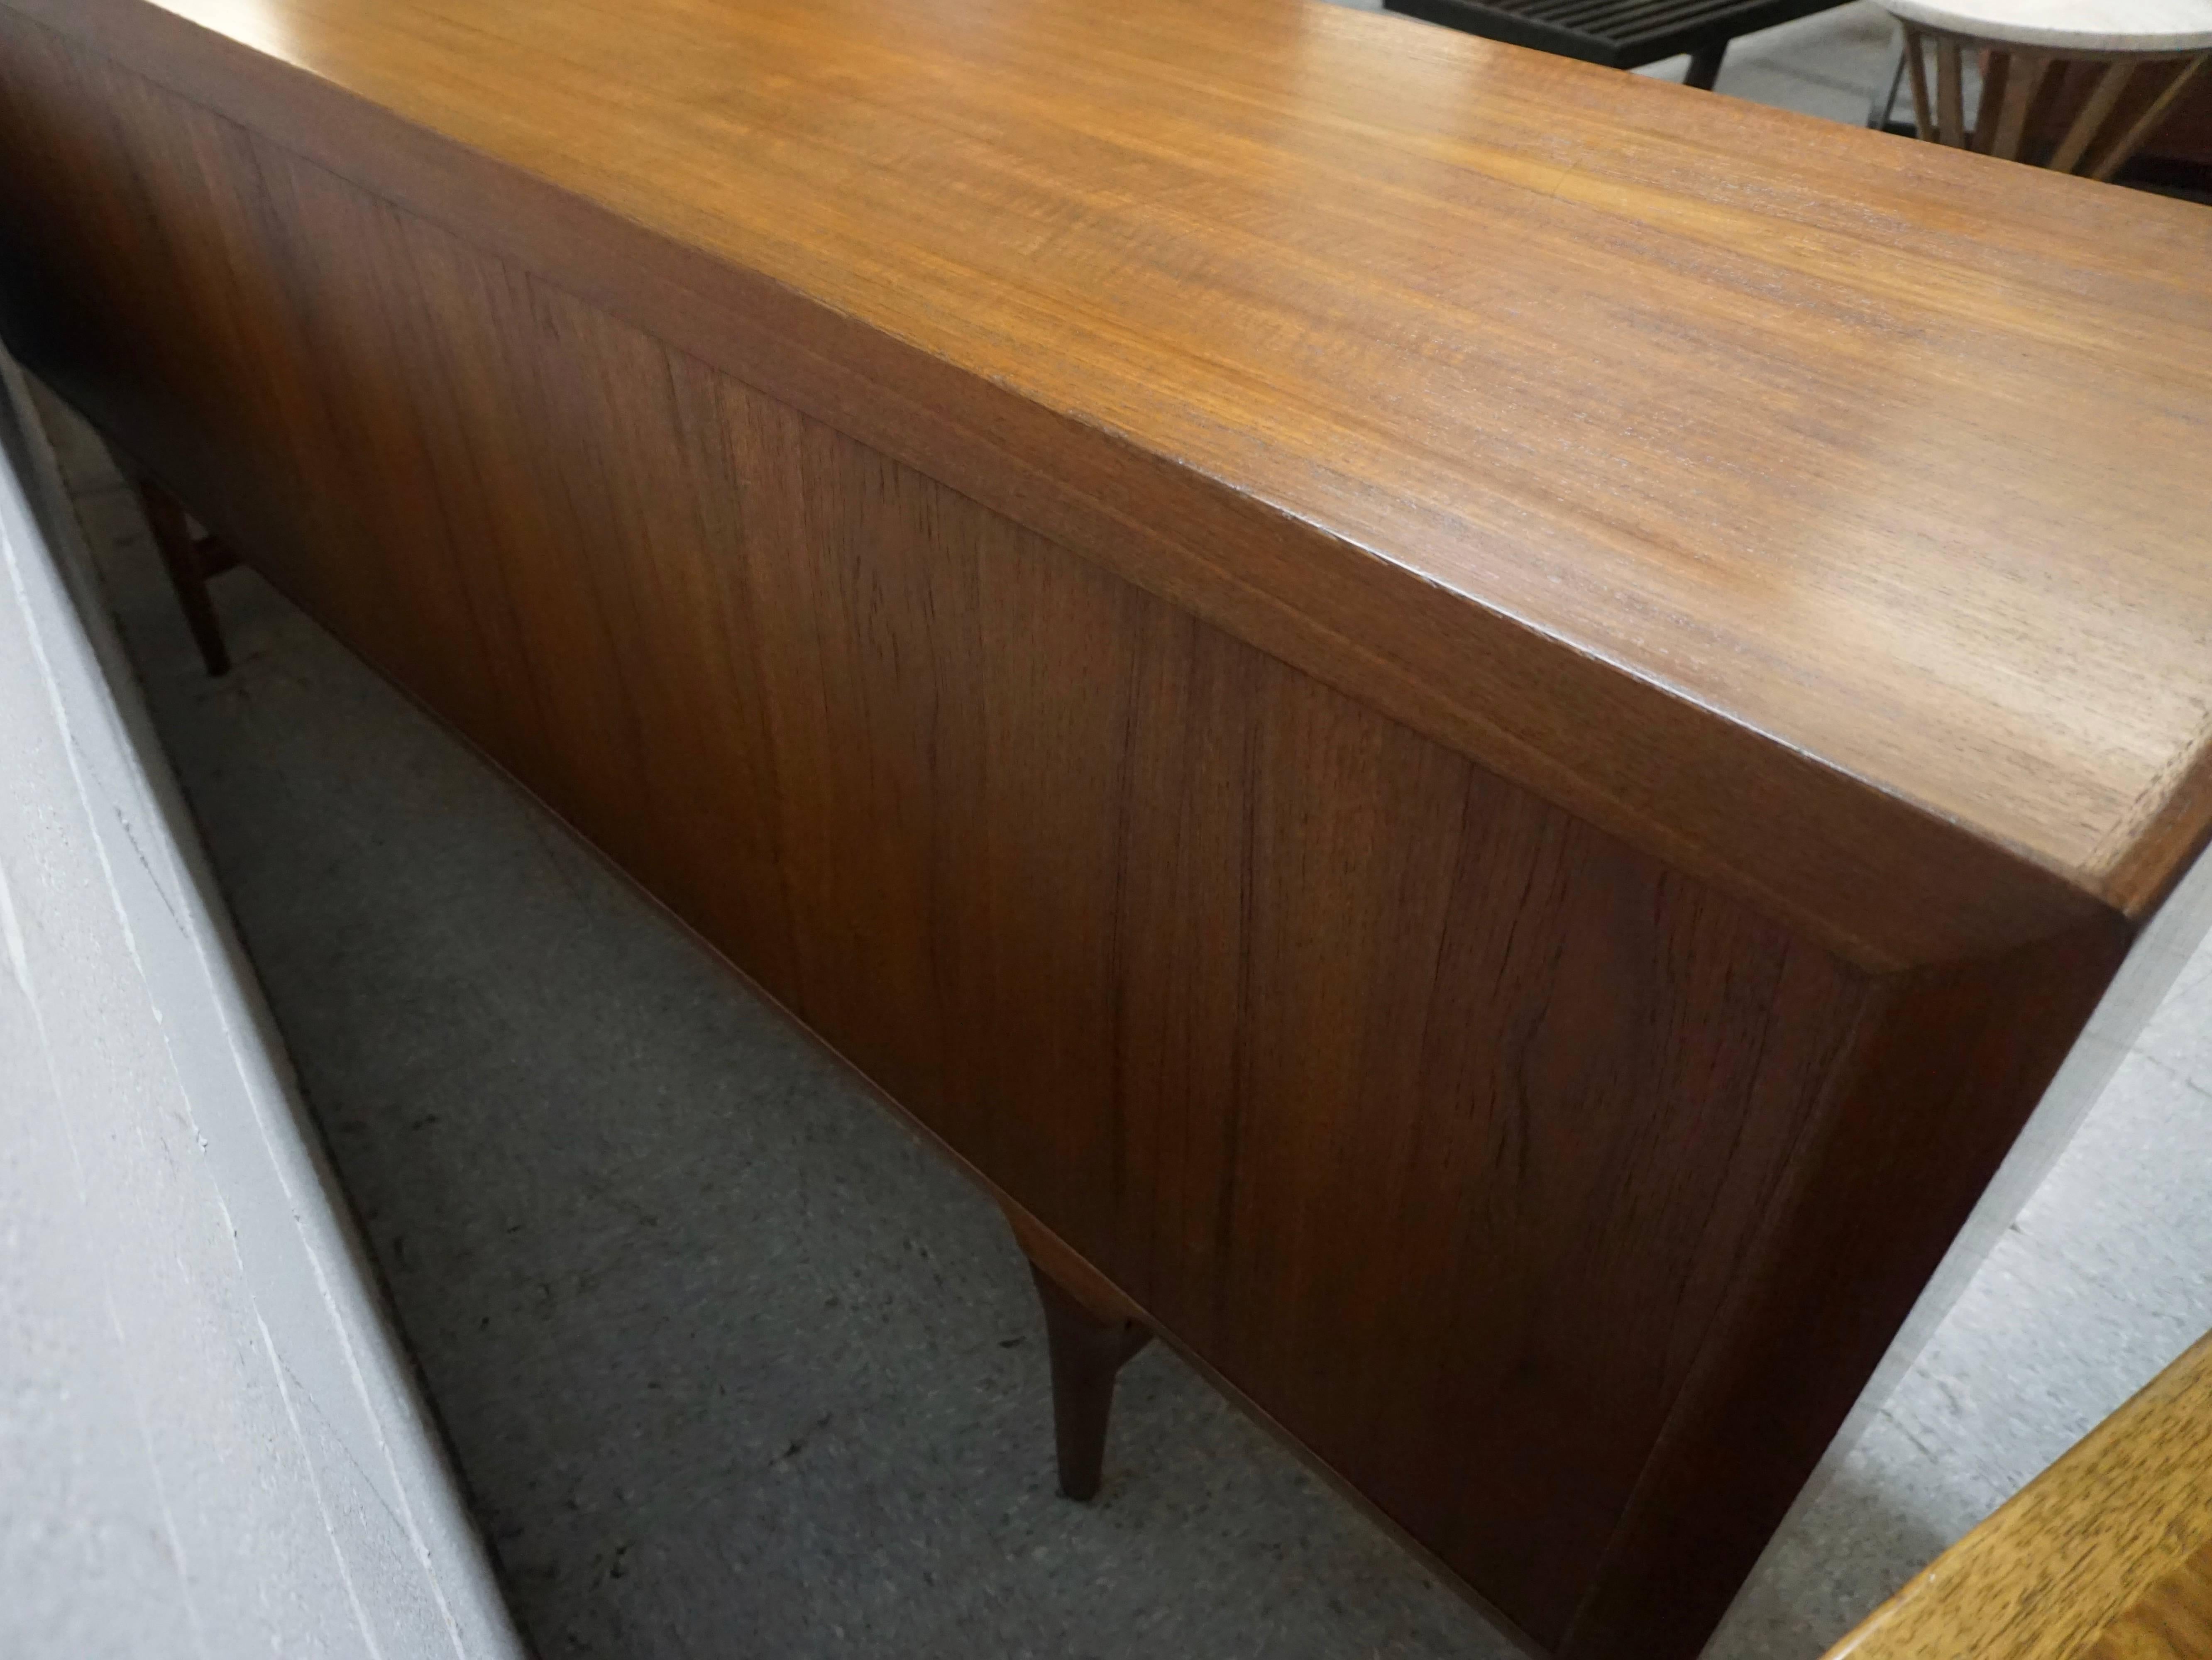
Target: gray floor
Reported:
[(1831, 65), (734, 1366)]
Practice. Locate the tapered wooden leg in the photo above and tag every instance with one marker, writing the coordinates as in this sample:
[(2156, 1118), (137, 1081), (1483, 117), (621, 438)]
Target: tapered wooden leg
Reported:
[(1087, 1353), (190, 561), (1091, 1330), (1705, 66)]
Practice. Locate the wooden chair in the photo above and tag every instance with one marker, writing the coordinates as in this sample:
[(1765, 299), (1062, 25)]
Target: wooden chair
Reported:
[(2073, 85)]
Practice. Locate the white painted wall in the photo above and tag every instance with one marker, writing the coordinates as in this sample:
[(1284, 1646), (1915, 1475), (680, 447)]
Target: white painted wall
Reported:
[(209, 1444)]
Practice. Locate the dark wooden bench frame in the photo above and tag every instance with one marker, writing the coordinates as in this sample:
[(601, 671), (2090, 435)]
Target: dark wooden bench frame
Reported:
[(1621, 34)]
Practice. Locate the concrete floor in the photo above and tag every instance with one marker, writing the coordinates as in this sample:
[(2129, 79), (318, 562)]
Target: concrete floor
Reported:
[(1829, 65), (733, 1366)]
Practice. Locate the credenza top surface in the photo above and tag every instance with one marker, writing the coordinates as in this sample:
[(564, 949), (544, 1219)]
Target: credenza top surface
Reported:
[(1898, 457)]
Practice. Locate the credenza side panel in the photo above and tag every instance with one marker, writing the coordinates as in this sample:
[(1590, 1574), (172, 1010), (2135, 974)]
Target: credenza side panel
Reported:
[(1444, 1126)]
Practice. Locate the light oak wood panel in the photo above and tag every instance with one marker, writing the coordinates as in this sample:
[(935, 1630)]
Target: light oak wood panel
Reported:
[(1634, 424), (1555, 1197), (2106, 1555)]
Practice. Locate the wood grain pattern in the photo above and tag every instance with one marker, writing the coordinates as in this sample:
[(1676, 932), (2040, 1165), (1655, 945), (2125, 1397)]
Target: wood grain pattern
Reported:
[(2106, 1555), (1710, 530), (1537, 1090), (2170, 1619)]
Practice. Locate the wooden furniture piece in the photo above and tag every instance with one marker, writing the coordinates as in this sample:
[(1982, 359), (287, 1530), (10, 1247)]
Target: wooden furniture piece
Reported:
[(189, 557), (2030, 50), (1093, 1330), (1622, 34), (1478, 730), (2181, 145), (2106, 1555)]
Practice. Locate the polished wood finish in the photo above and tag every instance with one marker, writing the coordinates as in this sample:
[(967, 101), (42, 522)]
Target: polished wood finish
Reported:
[(1480, 757), (1974, 722), (2106, 1555)]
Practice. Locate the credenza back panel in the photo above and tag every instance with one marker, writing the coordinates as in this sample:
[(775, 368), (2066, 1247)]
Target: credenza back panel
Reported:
[(1554, 1201)]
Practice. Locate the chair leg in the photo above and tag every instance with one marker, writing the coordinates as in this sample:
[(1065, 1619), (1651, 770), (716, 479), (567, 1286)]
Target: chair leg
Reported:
[(1884, 104), (2123, 147), (1923, 109), (1705, 66), (190, 561)]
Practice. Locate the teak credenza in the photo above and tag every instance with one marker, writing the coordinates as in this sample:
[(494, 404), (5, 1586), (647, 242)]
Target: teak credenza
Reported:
[(1477, 728)]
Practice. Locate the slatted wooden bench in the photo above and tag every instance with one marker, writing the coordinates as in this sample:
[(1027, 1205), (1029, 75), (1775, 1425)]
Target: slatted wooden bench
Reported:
[(1619, 34)]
